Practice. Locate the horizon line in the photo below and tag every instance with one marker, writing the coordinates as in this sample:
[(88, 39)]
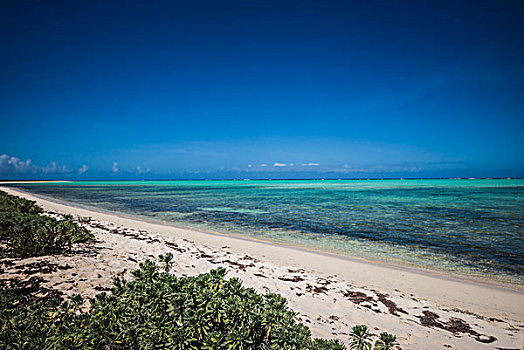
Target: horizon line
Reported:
[(272, 179)]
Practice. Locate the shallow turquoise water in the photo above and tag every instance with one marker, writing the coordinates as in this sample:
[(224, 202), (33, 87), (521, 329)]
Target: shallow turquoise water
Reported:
[(473, 227)]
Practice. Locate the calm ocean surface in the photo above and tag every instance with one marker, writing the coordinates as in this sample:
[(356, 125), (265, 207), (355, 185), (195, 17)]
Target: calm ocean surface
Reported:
[(472, 227)]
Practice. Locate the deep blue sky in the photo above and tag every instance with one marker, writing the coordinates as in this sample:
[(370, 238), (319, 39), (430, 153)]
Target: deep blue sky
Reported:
[(244, 89)]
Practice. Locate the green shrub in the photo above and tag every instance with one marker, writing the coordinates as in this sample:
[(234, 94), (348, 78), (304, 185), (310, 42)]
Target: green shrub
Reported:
[(15, 204), (386, 341), (28, 234), (360, 338), (157, 310), (33, 235), (25, 321)]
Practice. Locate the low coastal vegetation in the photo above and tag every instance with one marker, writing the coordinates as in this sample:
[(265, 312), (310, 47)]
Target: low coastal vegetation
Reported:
[(26, 232), (154, 310), (157, 310)]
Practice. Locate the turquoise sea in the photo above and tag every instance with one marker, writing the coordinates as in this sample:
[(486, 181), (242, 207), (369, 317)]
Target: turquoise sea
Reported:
[(470, 227)]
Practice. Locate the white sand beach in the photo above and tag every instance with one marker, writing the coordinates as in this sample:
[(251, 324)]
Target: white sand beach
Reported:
[(330, 293)]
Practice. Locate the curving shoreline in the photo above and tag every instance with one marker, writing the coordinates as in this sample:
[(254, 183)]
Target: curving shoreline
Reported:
[(317, 285), (465, 228), (394, 265)]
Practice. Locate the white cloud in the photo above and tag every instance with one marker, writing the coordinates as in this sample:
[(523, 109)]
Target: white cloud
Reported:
[(15, 165), (280, 164), (53, 167), (115, 167), (83, 169), (250, 165), (263, 165), (310, 164), (139, 170)]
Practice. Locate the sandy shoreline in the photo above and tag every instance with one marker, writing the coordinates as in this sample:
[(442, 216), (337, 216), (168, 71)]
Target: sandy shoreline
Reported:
[(488, 283), (329, 292)]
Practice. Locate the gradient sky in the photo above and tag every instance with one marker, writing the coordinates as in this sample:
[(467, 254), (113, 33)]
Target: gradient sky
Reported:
[(270, 89)]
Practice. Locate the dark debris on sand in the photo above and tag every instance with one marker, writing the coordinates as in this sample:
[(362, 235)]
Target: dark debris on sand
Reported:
[(392, 306), (357, 297), (316, 289), (454, 325), (291, 278)]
